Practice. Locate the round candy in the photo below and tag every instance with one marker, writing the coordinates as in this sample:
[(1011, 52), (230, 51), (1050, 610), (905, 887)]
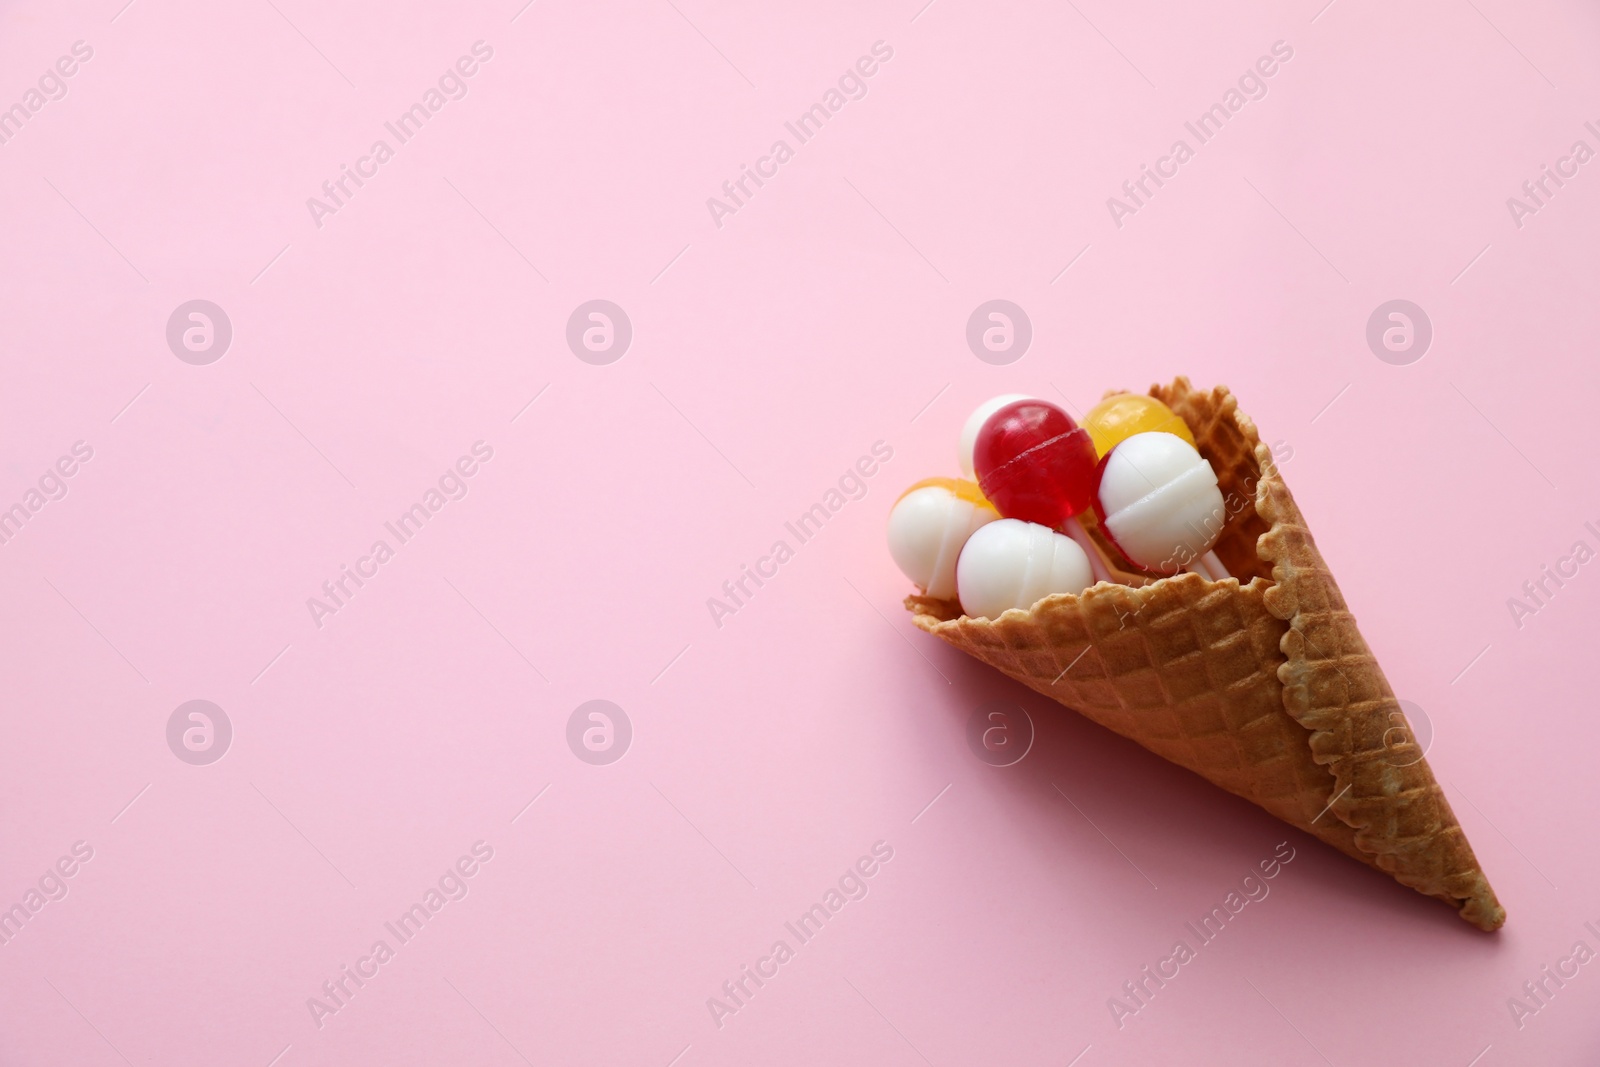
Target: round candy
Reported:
[(1034, 463), (928, 526), (975, 421), (1157, 500), (1015, 564), (1122, 415)]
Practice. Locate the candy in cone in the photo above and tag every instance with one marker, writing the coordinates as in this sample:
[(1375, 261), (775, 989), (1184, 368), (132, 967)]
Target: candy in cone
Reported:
[(1260, 683)]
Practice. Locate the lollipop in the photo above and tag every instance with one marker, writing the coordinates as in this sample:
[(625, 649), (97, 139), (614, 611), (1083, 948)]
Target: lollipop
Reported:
[(928, 526), (1121, 415), (975, 421), (1037, 465), (1157, 500), (1014, 564)]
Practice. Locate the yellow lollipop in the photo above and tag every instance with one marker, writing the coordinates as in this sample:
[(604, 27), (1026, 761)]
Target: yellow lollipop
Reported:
[(959, 488), (1122, 415)]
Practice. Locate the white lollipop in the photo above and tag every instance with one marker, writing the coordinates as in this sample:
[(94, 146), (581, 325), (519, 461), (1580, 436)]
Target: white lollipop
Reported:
[(928, 527), (1015, 564), (975, 421), (1159, 503)]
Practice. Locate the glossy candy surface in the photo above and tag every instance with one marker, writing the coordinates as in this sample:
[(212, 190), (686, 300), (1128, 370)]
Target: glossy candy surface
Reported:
[(1157, 500), (928, 527), (1120, 416), (1034, 463), (1014, 564), (974, 423)]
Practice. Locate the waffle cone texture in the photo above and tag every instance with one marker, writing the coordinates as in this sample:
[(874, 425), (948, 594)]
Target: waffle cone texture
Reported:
[(1260, 683)]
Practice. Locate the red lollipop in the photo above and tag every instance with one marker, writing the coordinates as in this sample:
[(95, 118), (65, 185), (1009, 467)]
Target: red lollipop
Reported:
[(1035, 463)]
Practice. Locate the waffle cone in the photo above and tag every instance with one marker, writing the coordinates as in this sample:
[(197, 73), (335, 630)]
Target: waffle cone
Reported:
[(1260, 683)]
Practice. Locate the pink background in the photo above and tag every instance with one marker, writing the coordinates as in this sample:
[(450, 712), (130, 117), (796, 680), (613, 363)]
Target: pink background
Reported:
[(768, 354)]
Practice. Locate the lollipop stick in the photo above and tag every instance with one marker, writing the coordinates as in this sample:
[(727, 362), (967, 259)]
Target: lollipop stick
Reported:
[(1097, 564), (1208, 566)]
